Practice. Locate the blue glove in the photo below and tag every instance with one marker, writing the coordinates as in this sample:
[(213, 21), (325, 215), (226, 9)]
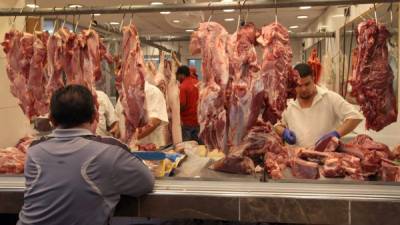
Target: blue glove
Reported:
[(289, 136), (328, 135)]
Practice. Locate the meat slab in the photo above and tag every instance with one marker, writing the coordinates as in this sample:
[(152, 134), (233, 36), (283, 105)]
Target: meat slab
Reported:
[(315, 65), (372, 78), (211, 40)]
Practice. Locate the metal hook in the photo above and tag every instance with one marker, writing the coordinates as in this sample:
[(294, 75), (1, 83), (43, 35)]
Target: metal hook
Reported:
[(122, 21), (77, 23), (15, 17), (91, 21), (375, 14), (55, 21), (65, 18), (276, 12), (212, 11)]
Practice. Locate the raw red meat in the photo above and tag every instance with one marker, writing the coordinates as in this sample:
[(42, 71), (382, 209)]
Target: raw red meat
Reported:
[(132, 76), (12, 160), (54, 63), (243, 67), (390, 171), (234, 164), (304, 169), (372, 78), (328, 145), (37, 74), (315, 64), (276, 71), (211, 40)]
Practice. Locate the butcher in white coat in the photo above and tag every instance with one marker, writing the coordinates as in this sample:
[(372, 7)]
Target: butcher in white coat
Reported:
[(316, 114)]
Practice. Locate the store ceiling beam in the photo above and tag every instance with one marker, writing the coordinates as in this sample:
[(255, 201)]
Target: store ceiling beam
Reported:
[(203, 6)]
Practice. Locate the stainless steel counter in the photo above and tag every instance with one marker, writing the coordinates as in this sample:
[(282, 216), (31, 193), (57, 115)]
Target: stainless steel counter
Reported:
[(285, 202)]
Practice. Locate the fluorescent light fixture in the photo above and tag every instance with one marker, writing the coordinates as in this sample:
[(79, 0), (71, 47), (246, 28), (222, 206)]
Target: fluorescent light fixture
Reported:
[(305, 7), (176, 21), (32, 6), (114, 23), (294, 27), (97, 14), (323, 26), (228, 10), (165, 13), (75, 6), (229, 19), (337, 16), (302, 17), (156, 3), (189, 30)]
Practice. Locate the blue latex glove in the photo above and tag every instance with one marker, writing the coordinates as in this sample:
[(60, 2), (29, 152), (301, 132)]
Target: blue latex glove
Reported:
[(328, 135), (289, 136)]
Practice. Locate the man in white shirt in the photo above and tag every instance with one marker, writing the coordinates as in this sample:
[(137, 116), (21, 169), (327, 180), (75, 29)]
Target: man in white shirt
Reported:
[(154, 131), (316, 114), (108, 121)]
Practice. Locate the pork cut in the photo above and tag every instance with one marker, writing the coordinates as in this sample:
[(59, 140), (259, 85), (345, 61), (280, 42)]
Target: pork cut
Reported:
[(372, 78), (211, 40)]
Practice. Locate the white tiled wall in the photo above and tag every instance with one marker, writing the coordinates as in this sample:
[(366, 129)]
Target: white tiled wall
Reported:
[(13, 124)]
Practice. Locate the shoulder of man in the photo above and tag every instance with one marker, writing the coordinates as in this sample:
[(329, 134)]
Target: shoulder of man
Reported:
[(108, 140)]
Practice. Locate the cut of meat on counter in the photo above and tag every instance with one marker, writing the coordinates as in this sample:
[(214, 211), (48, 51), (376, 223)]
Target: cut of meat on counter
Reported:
[(131, 80), (12, 159), (315, 64), (211, 40), (372, 78)]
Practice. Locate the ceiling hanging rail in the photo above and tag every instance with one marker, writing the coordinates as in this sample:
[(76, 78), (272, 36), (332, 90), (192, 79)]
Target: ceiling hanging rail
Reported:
[(203, 6)]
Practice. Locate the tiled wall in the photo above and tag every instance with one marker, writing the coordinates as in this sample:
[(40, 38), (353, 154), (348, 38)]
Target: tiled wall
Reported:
[(13, 124)]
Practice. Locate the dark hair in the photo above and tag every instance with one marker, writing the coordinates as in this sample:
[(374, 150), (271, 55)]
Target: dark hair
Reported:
[(304, 70), (184, 70), (71, 106)]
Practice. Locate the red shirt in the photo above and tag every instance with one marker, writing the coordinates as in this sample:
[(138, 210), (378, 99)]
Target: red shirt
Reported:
[(189, 96)]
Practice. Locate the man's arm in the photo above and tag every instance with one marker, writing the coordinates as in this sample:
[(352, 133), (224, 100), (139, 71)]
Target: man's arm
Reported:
[(348, 126), (148, 128), (346, 112), (130, 176)]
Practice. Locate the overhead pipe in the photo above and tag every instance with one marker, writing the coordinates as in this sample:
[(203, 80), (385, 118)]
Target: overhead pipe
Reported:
[(203, 6), (187, 38)]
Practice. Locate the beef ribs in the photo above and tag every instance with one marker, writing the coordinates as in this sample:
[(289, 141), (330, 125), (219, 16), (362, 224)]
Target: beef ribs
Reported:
[(372, 78), (304, 169), (390, 171)]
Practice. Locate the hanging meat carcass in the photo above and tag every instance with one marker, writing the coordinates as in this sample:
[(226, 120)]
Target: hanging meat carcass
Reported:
[(38, 78), (276, 73), (372, 78), (243, 67), (132, 78), (18, 47), (55, 63), (211, 40), (315, 65), (173, 102)]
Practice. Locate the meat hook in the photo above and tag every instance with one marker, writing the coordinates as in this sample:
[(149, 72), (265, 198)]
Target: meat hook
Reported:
[(55, 21), (65, 18), (122, 22), (375, 14), (239, 17), (276, 12), (212, 13), (15, 17), (91, 21)]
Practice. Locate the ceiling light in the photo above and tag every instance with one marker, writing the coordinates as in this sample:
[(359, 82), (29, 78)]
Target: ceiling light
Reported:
[(114, 23), (156, 3), (189, 30), (75, 6), (32, 6), (229, 19), (323, 26), (302, 17), (97, 14), (305, 7), (294, 27), (337, 16), (228, 10), (165, 13), (176, 21)]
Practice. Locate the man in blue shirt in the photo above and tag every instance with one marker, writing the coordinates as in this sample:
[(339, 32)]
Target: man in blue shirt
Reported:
[(73, 176)]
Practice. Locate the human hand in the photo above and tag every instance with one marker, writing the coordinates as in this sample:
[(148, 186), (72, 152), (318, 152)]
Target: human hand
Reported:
[(289, 136)]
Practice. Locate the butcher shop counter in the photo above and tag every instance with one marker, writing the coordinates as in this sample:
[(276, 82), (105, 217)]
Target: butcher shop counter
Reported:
[(306, 202)]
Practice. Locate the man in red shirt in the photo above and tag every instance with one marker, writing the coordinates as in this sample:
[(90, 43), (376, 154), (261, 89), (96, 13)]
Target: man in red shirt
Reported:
[(189, 96)]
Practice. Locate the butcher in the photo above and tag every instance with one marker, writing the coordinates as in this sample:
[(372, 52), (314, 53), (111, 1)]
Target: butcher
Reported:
[(316, 114), (154, 131), (108, 121)]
